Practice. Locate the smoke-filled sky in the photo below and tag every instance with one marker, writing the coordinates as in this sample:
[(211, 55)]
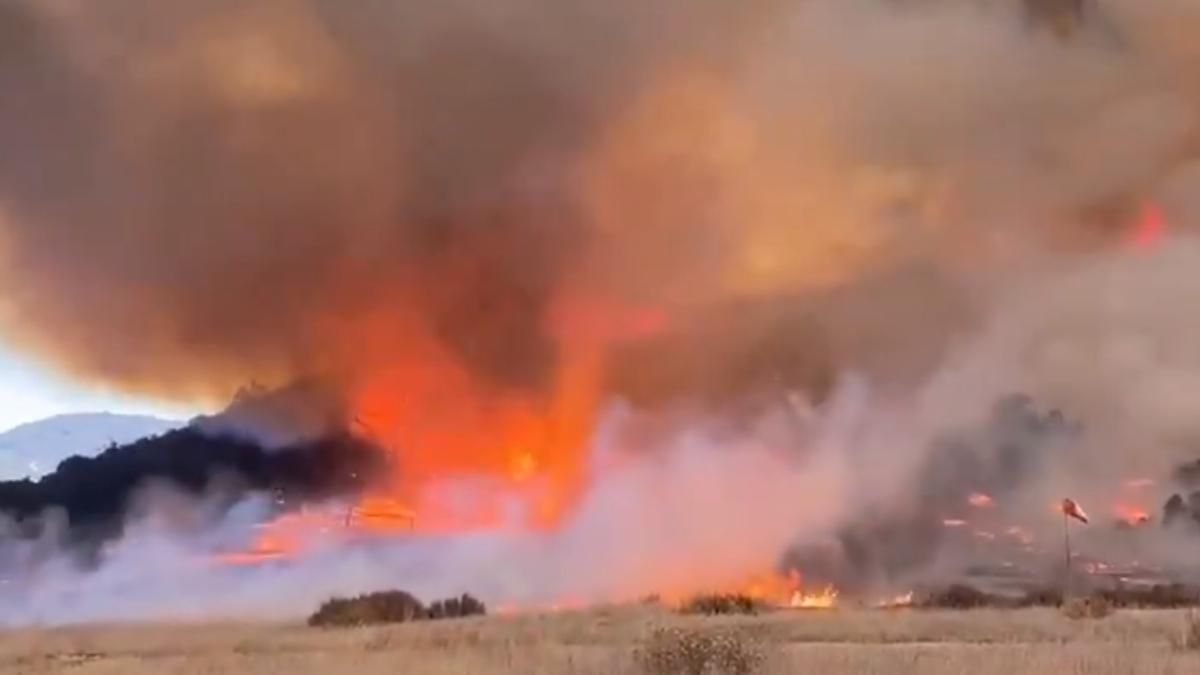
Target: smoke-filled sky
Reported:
[(479, 223), (467, 199), (195, 197)]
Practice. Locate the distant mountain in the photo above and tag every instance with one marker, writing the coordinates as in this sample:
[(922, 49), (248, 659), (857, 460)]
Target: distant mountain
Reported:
[(35, 449)]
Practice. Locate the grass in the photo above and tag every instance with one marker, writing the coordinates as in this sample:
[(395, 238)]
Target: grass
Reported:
[(616, 641)]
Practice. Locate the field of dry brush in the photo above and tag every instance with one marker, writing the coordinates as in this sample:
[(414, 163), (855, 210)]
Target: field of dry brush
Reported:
[(613, 642)]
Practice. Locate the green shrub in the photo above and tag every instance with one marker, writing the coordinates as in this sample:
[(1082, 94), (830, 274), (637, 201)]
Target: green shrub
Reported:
[(726, 603), (677, 651)]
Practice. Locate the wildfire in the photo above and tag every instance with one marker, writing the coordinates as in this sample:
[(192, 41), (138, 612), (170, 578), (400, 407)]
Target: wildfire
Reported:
[(283, 538), (826, 598), (897, 602)]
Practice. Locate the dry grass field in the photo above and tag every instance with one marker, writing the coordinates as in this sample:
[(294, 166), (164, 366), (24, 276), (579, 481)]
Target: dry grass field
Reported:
[(606, 642)]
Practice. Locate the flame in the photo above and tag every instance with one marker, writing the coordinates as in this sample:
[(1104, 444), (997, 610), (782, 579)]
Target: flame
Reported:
[(896, 602), (786, 590), (826, 598), (980, 501), (470, 455)]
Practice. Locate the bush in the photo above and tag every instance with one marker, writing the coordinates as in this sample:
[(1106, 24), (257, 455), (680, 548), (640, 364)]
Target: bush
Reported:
[(1042, 597), (456, 608), (1188, 639), (391, 607), (957, 596), (1094, 607), (1159, 596), (676, 651), (727, 603), (372, 608)]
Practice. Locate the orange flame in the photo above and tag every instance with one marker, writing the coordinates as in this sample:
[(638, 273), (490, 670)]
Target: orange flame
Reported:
[(826, 598), (470, 455)]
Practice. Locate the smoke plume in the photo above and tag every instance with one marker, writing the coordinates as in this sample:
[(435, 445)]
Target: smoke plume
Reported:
[(809, 244)]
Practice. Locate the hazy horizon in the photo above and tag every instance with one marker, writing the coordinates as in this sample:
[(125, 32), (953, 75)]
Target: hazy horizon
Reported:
[(30, 391)]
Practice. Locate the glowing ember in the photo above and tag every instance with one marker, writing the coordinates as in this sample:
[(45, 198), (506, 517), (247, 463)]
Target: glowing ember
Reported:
[(897, 602), (980, 501)]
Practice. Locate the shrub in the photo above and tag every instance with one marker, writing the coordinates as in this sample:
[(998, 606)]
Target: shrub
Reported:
[(1094, 607), (957, 596), (392, 607), (456, 608), (1042, 597), (1159, 596), (726, 603), (1188, 638), (372, 608), (677, 651)]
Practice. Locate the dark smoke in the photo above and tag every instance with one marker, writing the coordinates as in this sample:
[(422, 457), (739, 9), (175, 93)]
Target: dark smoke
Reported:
[(248, 183)]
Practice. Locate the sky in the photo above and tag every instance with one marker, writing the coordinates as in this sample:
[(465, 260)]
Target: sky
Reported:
[(30, 391)]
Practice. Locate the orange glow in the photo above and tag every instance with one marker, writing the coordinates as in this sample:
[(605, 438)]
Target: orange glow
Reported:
[(285, 537), (787, 590), (1149, 229), (1131, 515)]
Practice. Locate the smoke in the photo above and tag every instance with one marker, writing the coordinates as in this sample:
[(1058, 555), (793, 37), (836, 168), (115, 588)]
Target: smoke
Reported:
[(297, 188), (476, 224)]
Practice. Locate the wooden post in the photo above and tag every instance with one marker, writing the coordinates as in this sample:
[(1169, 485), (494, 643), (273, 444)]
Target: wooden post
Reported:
[(1067, 547)]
